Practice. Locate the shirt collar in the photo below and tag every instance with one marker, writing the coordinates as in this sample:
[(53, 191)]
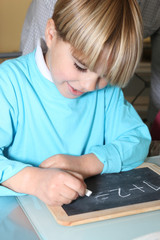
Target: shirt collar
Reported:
[(39, 56)]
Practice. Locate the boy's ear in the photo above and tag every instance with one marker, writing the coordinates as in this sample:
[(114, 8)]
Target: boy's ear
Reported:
[(50, 32)]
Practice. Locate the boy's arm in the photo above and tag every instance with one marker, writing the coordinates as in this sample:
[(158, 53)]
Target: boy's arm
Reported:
[(87, 165), (126, 138), (52, 186)]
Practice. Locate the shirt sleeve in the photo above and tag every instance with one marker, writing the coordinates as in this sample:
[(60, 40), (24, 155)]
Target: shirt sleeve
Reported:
[(127, 138), (8, 125)]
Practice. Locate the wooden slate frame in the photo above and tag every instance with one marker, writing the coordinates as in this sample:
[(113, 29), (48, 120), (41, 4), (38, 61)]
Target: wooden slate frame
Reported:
[(62, 218)]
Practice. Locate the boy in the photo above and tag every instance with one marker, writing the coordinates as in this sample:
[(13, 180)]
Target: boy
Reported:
[(63, 115), (40, 10)]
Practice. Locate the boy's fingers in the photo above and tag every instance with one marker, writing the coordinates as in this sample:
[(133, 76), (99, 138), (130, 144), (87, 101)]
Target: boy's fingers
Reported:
[(69, 194), (77, 175), (76, 184)]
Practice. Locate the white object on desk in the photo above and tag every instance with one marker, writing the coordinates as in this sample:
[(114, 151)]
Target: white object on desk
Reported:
[(88, 193), (152, 236)]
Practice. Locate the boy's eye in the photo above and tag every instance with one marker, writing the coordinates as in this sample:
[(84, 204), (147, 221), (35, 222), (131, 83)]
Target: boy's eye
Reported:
[(80, 68)]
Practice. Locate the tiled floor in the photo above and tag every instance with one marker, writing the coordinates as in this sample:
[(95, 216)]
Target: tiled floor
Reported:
[(138, 90)]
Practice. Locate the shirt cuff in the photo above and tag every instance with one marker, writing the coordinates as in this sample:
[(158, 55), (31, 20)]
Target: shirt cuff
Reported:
[(109, 156)]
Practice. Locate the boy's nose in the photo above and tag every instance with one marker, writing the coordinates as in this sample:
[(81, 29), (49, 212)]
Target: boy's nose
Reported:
[(89, 84)]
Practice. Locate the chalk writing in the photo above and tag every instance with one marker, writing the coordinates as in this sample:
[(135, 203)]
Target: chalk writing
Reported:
[(120, 193), (103, 196), (109, 191), (137, 188), (152, 186)]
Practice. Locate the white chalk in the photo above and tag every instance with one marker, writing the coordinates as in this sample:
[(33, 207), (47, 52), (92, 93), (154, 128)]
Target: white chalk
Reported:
[(88, 193)]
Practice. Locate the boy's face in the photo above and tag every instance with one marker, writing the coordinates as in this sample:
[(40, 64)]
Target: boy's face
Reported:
[(70, 76)]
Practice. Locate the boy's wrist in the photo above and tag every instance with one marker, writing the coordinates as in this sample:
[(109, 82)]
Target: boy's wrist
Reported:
[(91, 165), (22, 182), (87, 165)]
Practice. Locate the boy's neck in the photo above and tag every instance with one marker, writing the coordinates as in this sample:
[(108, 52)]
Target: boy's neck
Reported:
[(40, 60)]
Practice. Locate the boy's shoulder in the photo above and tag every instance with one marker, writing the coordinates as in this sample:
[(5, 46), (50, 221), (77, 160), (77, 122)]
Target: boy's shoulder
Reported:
[(12, 71), (113, 90), (15, 63)]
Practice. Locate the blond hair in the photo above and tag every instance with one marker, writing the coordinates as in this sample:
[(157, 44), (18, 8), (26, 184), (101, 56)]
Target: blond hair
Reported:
[(105, 32)]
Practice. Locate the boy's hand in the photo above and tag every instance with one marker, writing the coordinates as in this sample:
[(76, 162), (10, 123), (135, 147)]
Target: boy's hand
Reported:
[(58, 187), (87, 165), (55, 187)]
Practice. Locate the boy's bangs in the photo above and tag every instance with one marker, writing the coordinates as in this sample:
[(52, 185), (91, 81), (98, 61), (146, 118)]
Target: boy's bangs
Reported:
[(99, 65), (87, 42), (85, 25), (88, 57), (104, 34)]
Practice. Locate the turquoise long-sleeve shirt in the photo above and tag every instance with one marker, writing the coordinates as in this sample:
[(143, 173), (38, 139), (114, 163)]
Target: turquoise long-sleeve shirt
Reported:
[(36, 122)]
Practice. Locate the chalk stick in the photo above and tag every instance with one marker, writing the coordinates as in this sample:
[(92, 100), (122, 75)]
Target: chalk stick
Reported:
[(88, 193)]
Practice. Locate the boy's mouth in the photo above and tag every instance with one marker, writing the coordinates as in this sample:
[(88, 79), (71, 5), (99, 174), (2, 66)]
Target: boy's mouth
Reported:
[(74, 91)]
